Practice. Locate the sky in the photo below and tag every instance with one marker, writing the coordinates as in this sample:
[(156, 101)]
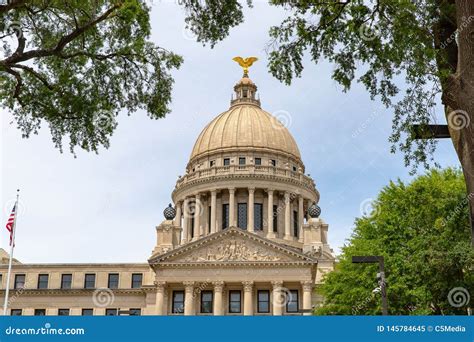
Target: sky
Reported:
[(105, 207)]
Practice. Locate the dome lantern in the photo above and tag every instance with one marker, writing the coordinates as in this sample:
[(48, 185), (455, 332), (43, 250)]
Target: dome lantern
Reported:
[(245, 90)]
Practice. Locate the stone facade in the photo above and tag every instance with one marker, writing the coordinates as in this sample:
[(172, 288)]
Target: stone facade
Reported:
[(238, 240)]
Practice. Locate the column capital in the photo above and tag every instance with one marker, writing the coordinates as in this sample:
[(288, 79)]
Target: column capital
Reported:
[(218, 286), (189, 286), (160, 286), (277, 284), (214, 191), (248, 286), (307, 285), (197, 195), (287, 195), (270, 191), (251, 189), (232, 189)]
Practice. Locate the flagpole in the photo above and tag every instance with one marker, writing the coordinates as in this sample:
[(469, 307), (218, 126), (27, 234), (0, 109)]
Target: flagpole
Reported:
[(7, 289)]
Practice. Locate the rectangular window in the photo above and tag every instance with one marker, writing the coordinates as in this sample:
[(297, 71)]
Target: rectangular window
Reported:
[(242, 161), (66, 281), (111, 312), (295, 223), (87, 312), (225, 216), (258, 216), (63, 312), (19, 281), (137, 280), (292, 303), (242, 215), (294, 168), (273, 162), (178, 302), (89, 281), (40, 312), (234, 301), (15, 312), (226, 161), (192, 226), (113, 281), (263, 303), (43, 281), (212, 163), (258, 161), (135, 312), (206, 301), (275, 218)]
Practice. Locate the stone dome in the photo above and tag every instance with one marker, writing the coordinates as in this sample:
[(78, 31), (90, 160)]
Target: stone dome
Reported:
[(245, 125)]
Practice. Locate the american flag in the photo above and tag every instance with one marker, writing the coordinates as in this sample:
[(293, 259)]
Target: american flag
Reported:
[(11, 223)]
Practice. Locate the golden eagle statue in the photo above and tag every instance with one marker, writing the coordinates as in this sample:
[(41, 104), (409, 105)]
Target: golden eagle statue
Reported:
[(245, 63)]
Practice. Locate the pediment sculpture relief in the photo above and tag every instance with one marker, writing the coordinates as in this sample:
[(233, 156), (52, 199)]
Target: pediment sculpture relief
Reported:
[(234, 250)]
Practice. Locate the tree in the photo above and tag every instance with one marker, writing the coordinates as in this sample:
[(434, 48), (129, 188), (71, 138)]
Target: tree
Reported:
[(422, 231), (75, 64), (429, 43)]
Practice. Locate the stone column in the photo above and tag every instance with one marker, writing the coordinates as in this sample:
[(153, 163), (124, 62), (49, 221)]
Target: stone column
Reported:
[(177, 219), (232, 207), (300, 218), (218, 291), (160, 296), (270, 232), (189, 298), (251, 215), (287, 217), (277, 300), (185, 221), (213, 222), (248, 298), (198, 208), (307, 293)]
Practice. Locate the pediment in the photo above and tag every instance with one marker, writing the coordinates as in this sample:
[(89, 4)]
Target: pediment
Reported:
[(232, 246)]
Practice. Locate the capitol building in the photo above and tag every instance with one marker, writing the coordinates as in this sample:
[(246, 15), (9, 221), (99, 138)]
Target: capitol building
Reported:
[(243, 237)]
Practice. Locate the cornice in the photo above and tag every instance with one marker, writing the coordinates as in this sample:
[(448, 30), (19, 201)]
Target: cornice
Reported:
[(242, 176)]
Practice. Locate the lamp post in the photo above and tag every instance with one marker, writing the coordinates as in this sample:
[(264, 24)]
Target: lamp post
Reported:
[(374, 259)]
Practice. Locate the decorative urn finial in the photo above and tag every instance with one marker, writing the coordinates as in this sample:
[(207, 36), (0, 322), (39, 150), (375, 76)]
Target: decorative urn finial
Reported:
[(314, 210), (245, 63), (169, 212)]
